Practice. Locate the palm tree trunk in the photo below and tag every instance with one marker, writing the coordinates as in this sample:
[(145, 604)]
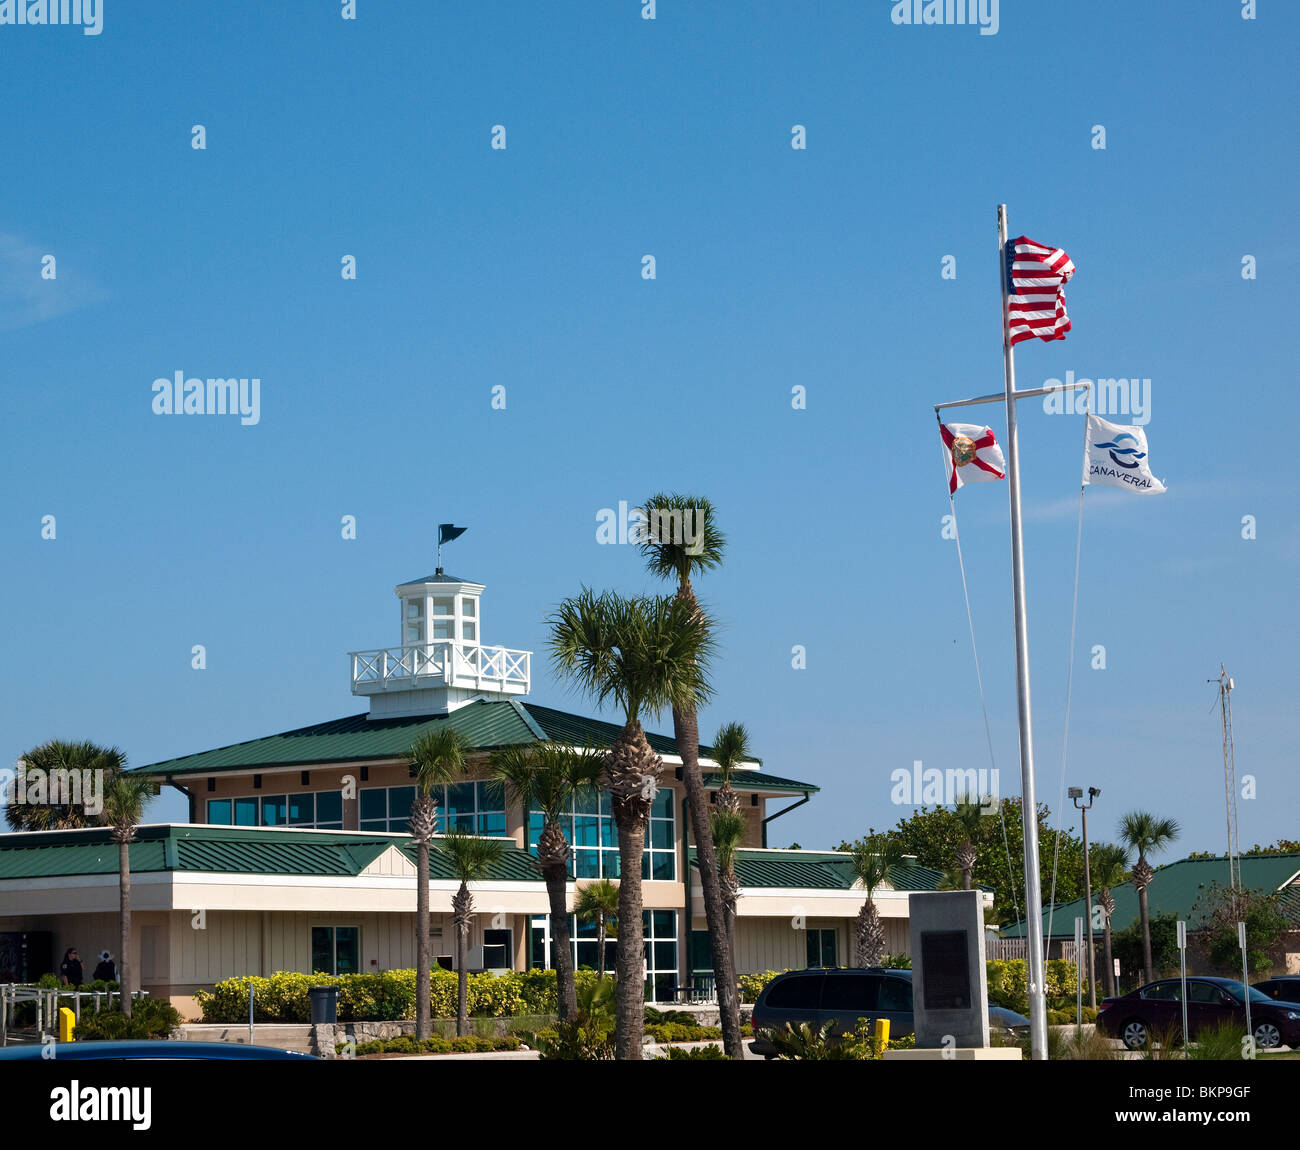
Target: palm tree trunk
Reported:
[(462, 957), (422, 961), (686, 731), (1110, 964), (556, 874), (629, 989), (1146, 932), (600, 941), (124, 966)]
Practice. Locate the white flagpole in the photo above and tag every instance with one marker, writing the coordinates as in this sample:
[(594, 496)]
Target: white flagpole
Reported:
[(1029, 805)]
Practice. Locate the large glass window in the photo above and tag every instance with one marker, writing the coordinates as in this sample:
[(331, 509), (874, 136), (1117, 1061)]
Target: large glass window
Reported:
[(589, 827), (335, 949), (322, 810), (476, 808), (659, 928)]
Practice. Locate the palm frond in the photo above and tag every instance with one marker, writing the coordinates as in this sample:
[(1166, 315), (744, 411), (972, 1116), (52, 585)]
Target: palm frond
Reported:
[(728, 828), (731, 748), (668, 552), (471, 858), (874, 860), (547, 776), (1147, 833), (438, 758)]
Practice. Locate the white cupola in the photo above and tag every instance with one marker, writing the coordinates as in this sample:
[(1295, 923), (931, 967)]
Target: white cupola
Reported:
[(442, 663)]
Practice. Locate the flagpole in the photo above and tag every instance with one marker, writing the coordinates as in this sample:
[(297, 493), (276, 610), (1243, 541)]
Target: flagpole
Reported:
[(1029, 805)]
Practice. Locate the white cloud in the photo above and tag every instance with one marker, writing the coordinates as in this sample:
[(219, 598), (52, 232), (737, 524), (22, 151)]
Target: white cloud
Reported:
[(25, 297)]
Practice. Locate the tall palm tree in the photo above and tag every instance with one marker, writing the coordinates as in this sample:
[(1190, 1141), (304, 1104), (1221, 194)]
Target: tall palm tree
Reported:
[(546, 777), (644, 654), (438, 758), (874, 860), (597, 902), (1109, 868), (1143, 832), (696, 547), (969, 811), (125, 797), (730, 749), (51, 756), (728, 830), (471, 860)]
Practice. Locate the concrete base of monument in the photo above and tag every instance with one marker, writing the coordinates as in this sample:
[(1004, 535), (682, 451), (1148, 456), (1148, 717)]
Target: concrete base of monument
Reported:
[(958, 1054)]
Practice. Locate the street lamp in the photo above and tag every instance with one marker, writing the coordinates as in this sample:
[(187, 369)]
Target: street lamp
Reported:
[(1076, 793)]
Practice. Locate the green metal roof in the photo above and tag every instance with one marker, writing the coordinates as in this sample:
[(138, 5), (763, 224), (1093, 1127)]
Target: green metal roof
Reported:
[(224, 850), (1175, 889), (823, 870), (487, 725)]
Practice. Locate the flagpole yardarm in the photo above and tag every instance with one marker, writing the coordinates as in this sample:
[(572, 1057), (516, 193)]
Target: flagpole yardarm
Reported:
[(1028, 802)]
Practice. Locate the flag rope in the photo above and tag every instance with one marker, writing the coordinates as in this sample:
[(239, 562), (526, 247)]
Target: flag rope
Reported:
[(1069, 694), (979, 678)]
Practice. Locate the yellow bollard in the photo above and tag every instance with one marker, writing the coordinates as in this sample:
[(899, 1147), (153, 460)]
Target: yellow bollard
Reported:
[(882, 1034), (67, 1020)]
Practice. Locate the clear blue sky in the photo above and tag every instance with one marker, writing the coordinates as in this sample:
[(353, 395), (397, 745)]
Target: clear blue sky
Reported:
[(775, 267)]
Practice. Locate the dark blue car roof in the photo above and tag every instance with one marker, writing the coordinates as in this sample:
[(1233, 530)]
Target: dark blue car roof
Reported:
[(150, 1049)]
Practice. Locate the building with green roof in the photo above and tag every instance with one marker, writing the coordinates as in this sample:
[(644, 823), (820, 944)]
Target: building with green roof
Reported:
[(296, 855)]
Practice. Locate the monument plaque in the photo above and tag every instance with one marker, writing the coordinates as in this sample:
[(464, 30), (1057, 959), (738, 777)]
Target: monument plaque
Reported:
[(949, 989)]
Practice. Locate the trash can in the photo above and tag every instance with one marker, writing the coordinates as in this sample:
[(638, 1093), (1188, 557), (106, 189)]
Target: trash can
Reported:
[(324, 1004)]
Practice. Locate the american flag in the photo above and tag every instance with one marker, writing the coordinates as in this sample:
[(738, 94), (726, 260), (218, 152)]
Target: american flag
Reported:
[(1036, 279)]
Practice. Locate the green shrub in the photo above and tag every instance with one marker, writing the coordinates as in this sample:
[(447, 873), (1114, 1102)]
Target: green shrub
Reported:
[(751, 985), (805, 1043), (1007, 983), (898, 961), (149, 1019), (699, 1054)]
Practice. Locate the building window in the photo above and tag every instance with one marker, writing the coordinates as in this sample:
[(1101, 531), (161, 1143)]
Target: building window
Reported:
[(475, 808), (821, 947), (659, 928), (589, 827), (335, 949), (321, 810)]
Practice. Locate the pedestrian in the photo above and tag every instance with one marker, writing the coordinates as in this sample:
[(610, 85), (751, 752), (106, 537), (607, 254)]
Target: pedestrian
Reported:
[(105, 971), (70, 972)]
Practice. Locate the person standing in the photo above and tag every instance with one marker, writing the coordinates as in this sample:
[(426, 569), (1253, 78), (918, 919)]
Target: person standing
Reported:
[(70, 970), (106, 971)]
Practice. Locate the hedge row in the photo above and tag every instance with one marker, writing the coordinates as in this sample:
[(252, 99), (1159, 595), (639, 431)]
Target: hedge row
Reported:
[(381, 997)]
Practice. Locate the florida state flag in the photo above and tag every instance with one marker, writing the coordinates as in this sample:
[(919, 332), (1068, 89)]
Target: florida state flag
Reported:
[(972, 454)]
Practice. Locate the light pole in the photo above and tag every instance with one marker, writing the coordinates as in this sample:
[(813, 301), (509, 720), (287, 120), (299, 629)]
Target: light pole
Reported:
[(1076, 793)]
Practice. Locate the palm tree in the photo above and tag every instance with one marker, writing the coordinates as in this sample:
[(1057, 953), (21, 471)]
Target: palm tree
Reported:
[(437, 757), (730, 749), (969, 812), (679, 554), (125, 797), (1143, 832), (728, 830), (644, 654), (471, 860), (1109, 868), (546, 777), (56, 755), (874, 860), (597, 902)]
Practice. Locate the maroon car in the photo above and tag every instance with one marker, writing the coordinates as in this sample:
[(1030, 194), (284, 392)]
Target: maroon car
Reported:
[(1157, 1009)]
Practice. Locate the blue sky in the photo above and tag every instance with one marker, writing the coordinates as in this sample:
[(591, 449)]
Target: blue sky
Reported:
[(775, 267)]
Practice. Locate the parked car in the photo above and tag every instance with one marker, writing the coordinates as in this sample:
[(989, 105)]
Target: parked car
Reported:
[(844, 995), (1281, 988), (153, 1049), (1157, 1008)]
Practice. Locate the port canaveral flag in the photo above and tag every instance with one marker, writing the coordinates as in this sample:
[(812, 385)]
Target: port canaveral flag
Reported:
[(1116, 456), (1036, 279), (971, 453)]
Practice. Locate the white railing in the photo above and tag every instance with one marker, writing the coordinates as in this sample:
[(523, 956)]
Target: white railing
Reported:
[(441, 664)]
